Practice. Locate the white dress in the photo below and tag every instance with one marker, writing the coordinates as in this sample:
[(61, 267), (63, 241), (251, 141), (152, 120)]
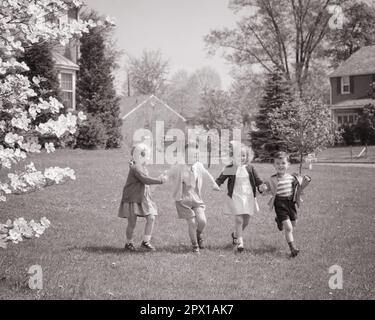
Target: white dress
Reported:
[(242, 201)]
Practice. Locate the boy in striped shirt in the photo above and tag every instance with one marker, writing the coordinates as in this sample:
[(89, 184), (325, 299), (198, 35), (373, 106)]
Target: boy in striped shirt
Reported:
[(286, 190)]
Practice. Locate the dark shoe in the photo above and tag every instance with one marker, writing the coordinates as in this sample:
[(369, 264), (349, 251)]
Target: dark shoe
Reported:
[(294, 253), (234, 239), (240, 248), (130, 247), (279, 224), (147, 246), (195, 248)]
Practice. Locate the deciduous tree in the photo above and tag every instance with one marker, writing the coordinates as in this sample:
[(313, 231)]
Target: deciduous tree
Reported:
[(279, 35), (304, 125), (148, 73)]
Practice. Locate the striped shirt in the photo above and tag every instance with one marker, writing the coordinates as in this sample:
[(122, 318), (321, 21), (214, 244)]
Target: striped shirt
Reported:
[(285, 186)]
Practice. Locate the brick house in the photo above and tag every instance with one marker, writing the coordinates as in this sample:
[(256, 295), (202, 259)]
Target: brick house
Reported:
[(353, 86), (144, 111)]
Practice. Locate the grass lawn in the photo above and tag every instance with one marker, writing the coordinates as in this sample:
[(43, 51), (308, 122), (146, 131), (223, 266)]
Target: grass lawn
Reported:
[(82, 252), (347, 154)]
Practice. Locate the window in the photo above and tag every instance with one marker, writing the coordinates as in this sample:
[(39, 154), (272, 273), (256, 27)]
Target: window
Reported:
[(347, 119), (345, 85), (67, 89)]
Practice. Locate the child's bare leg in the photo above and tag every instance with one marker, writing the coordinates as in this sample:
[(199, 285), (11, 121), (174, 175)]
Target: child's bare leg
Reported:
[(288, 227), (132, 221), (192, 226), (201, 223), (150, 220), (246, 219), (238, 229), (201, 220)]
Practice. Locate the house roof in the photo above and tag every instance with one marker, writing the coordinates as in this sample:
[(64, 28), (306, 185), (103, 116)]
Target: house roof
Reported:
[(357, 103), (129, 103), (63, 62), (134, 103), (359, 63)]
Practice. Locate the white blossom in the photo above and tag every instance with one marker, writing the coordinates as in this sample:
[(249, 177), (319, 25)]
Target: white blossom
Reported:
[(49, 147), (22, 23), (81, 116), (20, 229)]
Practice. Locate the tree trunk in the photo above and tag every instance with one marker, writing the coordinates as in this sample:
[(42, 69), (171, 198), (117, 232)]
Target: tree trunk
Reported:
[(301, 162)]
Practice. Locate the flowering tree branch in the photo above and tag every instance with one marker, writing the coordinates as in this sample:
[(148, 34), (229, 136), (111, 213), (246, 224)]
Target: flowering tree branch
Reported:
[(23, 23)]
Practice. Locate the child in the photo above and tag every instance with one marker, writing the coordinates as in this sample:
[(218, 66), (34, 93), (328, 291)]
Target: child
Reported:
[(286, 190), (187, 193), (243, 181), (136, 198)]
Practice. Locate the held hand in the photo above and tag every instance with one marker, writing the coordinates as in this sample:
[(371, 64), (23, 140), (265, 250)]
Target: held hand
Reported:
[(263, 187), (163, 178), (216, 188)]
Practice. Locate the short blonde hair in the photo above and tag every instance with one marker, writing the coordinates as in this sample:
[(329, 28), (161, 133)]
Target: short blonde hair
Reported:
[(139, 150), (249, 153), (241, 146)]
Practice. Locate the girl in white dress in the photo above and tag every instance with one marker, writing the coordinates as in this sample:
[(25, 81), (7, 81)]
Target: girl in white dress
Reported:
[(243, 182)]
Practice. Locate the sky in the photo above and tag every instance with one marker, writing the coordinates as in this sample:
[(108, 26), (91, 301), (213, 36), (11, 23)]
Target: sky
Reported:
[(176, 27)]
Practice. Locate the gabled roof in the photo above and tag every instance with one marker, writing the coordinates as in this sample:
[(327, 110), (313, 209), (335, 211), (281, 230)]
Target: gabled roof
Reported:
[(129, 103), (63, 62), (142, 100), (359, 63)]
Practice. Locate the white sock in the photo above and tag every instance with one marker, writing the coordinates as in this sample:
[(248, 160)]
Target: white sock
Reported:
[(146, 238), (240, 241)]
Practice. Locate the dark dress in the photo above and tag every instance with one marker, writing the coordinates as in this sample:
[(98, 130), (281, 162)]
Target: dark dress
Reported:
[(136, 196)]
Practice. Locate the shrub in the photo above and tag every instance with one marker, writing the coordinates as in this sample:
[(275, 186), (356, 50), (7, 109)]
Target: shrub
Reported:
[(365, 128), (92, 134), (348, 134)]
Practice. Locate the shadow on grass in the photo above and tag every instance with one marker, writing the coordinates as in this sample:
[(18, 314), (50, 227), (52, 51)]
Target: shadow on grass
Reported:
[(105, 250), (176, 249), (255, 251), (265, 250), (183, 249)]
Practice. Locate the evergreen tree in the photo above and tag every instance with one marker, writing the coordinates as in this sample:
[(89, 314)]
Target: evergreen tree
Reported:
[(96, 94), (276, 93), (38, 57)]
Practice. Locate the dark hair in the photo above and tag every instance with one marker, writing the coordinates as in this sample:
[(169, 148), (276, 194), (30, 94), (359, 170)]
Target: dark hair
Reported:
[(281, 155)]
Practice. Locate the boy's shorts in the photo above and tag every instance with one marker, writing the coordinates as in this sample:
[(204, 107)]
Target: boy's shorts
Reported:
[(285, 209), (187, 209)]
